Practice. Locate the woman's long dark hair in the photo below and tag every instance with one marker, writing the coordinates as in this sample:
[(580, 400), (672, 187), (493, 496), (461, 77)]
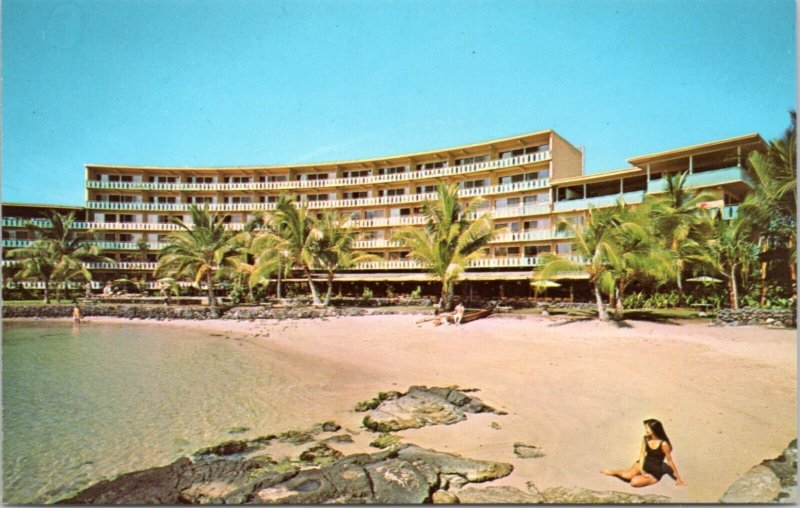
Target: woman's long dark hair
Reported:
[(658, 430)]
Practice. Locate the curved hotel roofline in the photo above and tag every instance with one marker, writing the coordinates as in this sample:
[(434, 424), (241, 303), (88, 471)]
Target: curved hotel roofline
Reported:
[(312, 165)]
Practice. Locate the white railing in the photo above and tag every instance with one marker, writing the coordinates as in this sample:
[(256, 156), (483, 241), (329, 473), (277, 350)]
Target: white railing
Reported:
[(411, 220), (331, 203), (332, 182), (375, 244), (11, 243), (125, 265), (533, 235)]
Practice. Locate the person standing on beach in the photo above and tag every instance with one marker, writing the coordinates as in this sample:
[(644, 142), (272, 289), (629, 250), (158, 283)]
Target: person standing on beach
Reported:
[(76, 314), (459, 313), (648, 470)]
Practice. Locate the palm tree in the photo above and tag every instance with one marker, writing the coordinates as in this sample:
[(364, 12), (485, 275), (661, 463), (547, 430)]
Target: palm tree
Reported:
[(57, 254), (296, 238), (772, 207), (448, 242), (677, 218), (729, 250), (641, 255), (335, 247), (593, 241), (202, 250)]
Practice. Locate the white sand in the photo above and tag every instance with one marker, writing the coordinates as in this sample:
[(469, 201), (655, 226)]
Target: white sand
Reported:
[(726, 396)]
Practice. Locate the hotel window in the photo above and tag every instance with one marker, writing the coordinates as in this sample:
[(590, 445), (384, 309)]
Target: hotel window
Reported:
[(355, 216), (126, 218), (355, 195), (268, 199), (273, 178), (236, 179), (109, 217), (472, 160), (425, 189), (474, 184), (120, 178), (121, 199), (431, 165), (367, 235), (238, 199), (357, 174), (393, 170), (163, 179), (373, 214), (506, 202), (125, 237), (200, 199), (109, 237), (512, 227), (392, 192), (536, 224), (316, 197), (564, 248), (199, 179), (397, 256), (161, 238), (523, 177), (577, 220), (523, 151), (163, 199), (501, 252), (312, 177), (536, 250), (162, 219)]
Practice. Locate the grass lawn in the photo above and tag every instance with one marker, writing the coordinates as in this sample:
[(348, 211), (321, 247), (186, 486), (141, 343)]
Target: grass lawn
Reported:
[(37, 302)]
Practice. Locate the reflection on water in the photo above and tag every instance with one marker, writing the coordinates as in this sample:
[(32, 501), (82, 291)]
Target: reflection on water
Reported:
[(84, 403)]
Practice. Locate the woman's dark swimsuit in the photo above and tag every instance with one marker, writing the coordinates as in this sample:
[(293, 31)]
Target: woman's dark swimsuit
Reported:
[(653, 460)]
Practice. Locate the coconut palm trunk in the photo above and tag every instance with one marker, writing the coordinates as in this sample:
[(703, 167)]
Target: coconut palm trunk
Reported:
[(734, 289), (601, 311), (210, 282), (279, 283), (47, 291), (330, 289), (314, 294)]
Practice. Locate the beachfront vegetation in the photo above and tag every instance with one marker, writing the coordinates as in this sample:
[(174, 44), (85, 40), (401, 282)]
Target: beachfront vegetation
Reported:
[(657, 243), (449, 241), (201, 250), (57, 254)]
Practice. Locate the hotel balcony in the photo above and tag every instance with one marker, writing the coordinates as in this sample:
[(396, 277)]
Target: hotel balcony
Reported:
[(10, 243), (532, 236), (597, 202), (531, 158), (332, 203), (710, 178)]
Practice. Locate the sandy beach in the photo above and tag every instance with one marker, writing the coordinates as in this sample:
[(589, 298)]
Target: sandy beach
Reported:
[(578, 390)]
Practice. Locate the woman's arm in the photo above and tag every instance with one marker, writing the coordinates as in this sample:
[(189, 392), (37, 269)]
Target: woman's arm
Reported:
[(641, 453), (668, 453)]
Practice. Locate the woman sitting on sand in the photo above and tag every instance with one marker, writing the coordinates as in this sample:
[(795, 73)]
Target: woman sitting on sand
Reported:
[(656, 446)]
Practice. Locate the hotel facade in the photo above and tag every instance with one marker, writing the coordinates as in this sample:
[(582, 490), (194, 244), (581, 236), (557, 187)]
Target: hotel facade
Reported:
[(527, 183)]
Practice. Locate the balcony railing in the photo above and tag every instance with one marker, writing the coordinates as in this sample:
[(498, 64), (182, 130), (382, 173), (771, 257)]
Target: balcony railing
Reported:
[(376, 244), (10, 243), (597, 202), (331, 203), (710, 178), (530, 236), (333, 182)]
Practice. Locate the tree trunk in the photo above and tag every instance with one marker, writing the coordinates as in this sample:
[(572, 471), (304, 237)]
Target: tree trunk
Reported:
[(601, 311), (314, 295), (444, 304), (210, 282), (792, 267), (734, 289), (47, 291), (618, 308), (330, 290), (278, 287), (764, 245)]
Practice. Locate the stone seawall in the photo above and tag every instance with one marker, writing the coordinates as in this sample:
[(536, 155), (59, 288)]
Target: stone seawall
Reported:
[(783, 318)]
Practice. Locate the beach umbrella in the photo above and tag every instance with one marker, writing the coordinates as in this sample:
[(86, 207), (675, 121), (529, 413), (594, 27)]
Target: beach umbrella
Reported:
[(545, 284), (705, 279)]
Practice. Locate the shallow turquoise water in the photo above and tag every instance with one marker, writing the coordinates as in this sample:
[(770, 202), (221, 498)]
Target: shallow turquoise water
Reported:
[(85, 403)]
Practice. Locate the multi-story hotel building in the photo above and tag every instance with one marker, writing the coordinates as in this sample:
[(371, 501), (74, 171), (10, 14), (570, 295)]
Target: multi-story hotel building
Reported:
[(527, 182)]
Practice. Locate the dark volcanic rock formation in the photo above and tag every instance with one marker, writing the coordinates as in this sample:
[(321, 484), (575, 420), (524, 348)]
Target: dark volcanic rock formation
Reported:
[(404, 475), (772, 481), (420, 406)]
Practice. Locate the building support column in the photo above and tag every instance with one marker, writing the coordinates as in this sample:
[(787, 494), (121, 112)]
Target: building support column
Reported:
[(691, 164), (648, 173)]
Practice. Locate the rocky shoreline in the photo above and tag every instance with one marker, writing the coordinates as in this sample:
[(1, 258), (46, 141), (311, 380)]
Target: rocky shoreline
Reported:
[(243, 472), (772, 481), (777, 318)]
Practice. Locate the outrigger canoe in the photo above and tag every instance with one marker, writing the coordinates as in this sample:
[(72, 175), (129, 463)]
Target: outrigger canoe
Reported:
[(471, 315)]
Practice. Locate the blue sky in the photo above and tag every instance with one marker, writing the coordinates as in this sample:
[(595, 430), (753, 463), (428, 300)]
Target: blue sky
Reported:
[(231, 82)]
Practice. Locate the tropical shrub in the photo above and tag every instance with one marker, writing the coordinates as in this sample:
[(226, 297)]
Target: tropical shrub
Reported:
[(367, 294)]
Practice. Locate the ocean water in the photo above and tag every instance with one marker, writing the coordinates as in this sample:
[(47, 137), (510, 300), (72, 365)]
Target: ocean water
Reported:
[(86, 403)]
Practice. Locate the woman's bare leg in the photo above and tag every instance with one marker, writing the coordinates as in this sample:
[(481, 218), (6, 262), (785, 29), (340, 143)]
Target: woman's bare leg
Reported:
[(624, 474), (642, 480)]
